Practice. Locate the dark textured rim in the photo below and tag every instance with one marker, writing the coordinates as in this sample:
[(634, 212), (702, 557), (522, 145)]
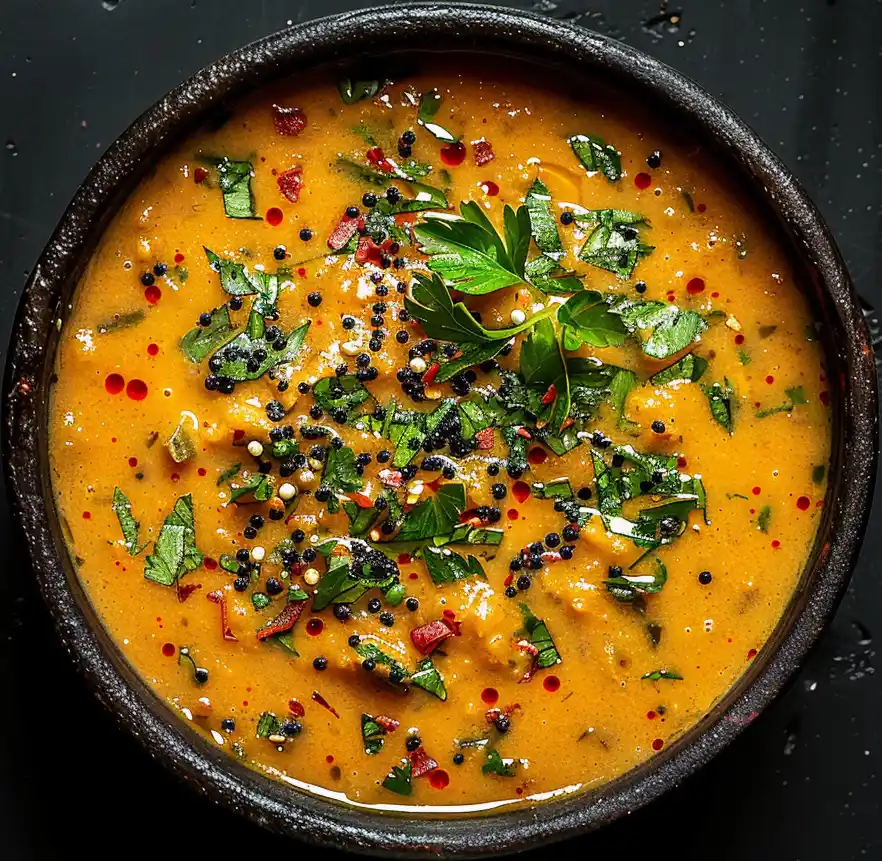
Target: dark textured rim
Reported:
[(422, 28)]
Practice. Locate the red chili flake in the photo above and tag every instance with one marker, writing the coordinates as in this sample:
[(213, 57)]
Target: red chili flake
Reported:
[(187, 590), (152, 349), (550, 395), (329, 759), (739, 338), (200, 174), (202, 471), (520, 491), (490, 188), (284, 621), (453, 154), (756, 491), (426, 638), (290, 182), (715, 295), (168, 649), (701, 207), (133, 461), (387, 723), (136, 390), (152, 294), (551, 684), (549, 557), (825, 398), (681, 462), (776, 544), (175, 476), (342, 233), (643, 180), (361, 500), (413, 575), (274, 216), (179, 258), (803, 503), (421, 763), (483, 152), (485, 439), (377, 158), (512, 514), (490, 696), (650, 715), (695, 286), (404, 559), (296, 708), (114, 383), (210, 563), (509, 579), (218, 597), (288, 121), (314, 627), (431, 373), (751, 654), (318, 698), (524, 433), (658, 744), (87, 515), (537, 455), (439, 779), (770, 379)]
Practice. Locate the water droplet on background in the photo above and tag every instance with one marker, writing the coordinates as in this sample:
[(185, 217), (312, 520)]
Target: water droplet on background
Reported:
[(11, 147)]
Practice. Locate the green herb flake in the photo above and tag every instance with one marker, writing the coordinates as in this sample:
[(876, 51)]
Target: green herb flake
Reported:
[(180, 444), (658, 675), (372, 734), (721, 400), (537, 631), (596, 154), (430, 104), (427, 677), (818, 473), (445, 566), (400, 779), (495, 764), (127, 523), (202, 340), (763, 518), (174, 552), (123, 320), (795, 397), (588, 319)]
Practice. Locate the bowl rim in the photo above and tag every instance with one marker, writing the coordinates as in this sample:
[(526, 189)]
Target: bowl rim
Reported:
[(28, 381)]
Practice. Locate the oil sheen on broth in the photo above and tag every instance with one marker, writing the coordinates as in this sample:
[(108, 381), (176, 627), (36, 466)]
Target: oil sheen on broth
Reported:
[(428, 510)]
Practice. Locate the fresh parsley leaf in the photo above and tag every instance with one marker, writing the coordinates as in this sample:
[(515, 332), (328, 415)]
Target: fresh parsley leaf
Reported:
[(795, 397), (445, 566), (431, 305), (256, 488), (537, 631), (470, 355), (127, 523), (345, 392), (622, 384), (625, 588), (202, 340), (495, 764), (559, 488), (744, 357), (243, 353), (721, 399), (438, 515), (267, 724), (552, 278), (689, 369), (228, 473), (663, 329), (658, 675), (400, 779), (764, 518), (352, 91), (340, 473), (427, 677), (360, 519), (174, 551), (543, 224), (234, 179), (469, 253), (597, 155), (430, 104), (614, 241), (588, 319), (238, 281), (544, 369)]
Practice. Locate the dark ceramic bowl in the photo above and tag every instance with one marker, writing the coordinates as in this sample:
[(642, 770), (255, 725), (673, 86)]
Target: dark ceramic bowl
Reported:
[(581, 56)]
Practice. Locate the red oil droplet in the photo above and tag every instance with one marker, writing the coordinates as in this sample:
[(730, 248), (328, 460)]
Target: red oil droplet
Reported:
[(453, 154), (770, 379), (751, 654), (439, 778), (512, 514), (520, 490), (168, 649), (202, 471), (658, 743), (715, 295), (756, 491), (314, 627), (650, 715), (825, 398), (803, 503), (329, 758), (133, 461), (536, 455), (413, 575), (296, 708), (490, 696), (302, 272), (179, 258), (274, 216), (490, 188), (175, 477), (681, 462), (200, 175), (87, 515), (152, 294), (114, 384), (209, 563), (136, 390), (643, 180), (695, 286), (152, 349), (404, 559), (551, 684), (702, 207), (776, 544), (739, 338)]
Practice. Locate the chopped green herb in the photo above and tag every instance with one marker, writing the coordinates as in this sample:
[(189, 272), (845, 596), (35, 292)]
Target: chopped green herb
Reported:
[(721, 399), (495, 764), (372, 734), (400, 779), (795, 397), (764, 517), (180, 445), (664, 330), (430, 103), (689, 369), (352, 91), (818, 473), (597, 155), (744, 357), (202, 340), (174, 552), (234, 179), (256, 488), (445, 566), (427, 677), (658, 675), (228, 473), (120, 321), (537, 631), (588, 319), (127, 523), (614, 242)]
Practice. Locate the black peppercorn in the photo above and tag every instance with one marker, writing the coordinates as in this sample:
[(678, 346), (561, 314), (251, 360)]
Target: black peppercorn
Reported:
[(204, 318), (510, 592), (320, 663), (552, 539), (352, 212), (502, 724), (240, 584), (658, 426), (414, 743), (705, 577), (654, 160), (342, 612), (387, 619), (412, 604), (305, 234), (374, 605), (499, 490), (354, 640), (147, 278), (566, 218), (570, 532)]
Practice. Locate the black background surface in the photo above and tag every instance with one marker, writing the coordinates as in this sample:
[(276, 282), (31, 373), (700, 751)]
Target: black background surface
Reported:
[(802, 782)]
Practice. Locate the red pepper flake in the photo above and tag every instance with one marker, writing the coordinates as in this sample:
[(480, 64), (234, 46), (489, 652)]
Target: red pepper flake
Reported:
[(776, 544), (650, 715), (453, 154), (377, 158), (314, 627), (512, 514), (238, 435), (318, 698), (218, 597), (770, 379), (200, 174), (387, 723), (361, 500), (658, 744), (152, 294), (643, 180), (537, 455), (431, 373), (751, 654), (715, 295), (695, 286), (551, 684), (524, 433), (701, 207), (520, 491), (152, 349), (739, 339), (274, 216), (681, 462), (756, 491), (803, 503), (825, 398), (87, 515), (114, 384), (490, 188), (485, 439), (413, 575), (509, 579), (133, 462), (179, 258), (284, 621), (482, 150), (175, 476), (136, 390), (439, 779), (490, 696), (404, 559), (290, 182), (288, 121), (210, 563), (342, 233), (549, 395), (426, 638), (168, 649), (421, 763), (202, 471), (296, 707), (329, 759), (187, 590)]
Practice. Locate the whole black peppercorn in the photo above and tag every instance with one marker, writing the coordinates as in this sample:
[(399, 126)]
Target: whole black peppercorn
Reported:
[(342, 612), (226, 386), (298, 535), (654, 160), (383, 456), (348, 322), (242, 555), (275, 412), (279, 252), (159, 269), (408, 138), (393, 195), (147, 279), (256, 521), (228, 725), (205, 319), (524, 582), (369, 199), (240, 584), (499, 491), (374, 605), (414, 743), (375, 345), (510, 592), (249, 532), (362, 360), (305, 234), (201, 675), (316, 412), (368, 664), (352, 212), (320, 663), (658, 426), (354, 640), (566, 218), (303, 388), (309, 555), (705, 577), (458, 759), (570, 532), (640, 286), (668, 527), (448, 472), (273, 586), (566, 552), (401, 336), (212, 382), (314, 299), (412, 604), (235, 303), (502, 724), (323, 494), (387, 619), (552, 539)]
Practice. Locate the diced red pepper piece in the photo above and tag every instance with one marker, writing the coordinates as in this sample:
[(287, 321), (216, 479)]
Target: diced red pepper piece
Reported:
[(483, 151), (283, 622), (550, 395), (428, 637), (520, 490), (288, 121), (342, 233), (200, 174), (290, 182), (523, 432), (361, 500), (377, 158), (318, 698), (387, 723), (551, 556), (187, 590), (485, 439), (421, 763), (431, 373), (218, 597), (368, 251)]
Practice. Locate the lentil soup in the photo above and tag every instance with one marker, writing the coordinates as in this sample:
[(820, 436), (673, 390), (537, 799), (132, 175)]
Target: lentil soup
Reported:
[(448, 442)]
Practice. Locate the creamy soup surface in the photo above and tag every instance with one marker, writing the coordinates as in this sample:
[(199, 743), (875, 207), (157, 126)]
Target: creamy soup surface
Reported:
[(443, 441)]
